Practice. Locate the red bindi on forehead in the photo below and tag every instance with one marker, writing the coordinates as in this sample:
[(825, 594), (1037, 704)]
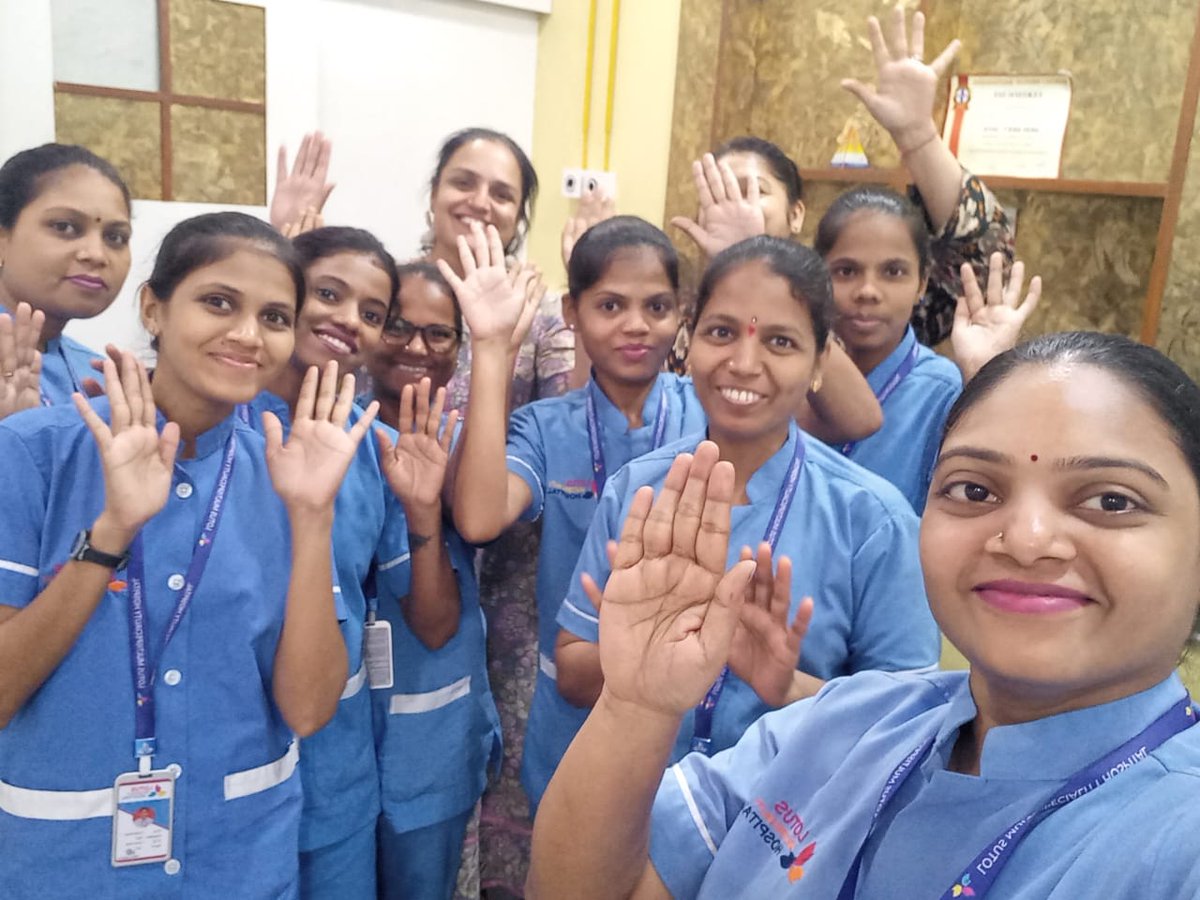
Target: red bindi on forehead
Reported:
[(1033, 457)]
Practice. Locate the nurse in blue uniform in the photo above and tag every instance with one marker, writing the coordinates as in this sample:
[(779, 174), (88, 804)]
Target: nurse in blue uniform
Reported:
[(762, 318), (437, 732), (878, 248), (1060, 550), (64, 254), (622, 304), (350, 280), (168, 624)]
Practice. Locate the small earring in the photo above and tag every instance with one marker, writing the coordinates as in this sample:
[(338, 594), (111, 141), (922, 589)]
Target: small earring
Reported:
[(816, 385), (1000, 537), (429, 217)]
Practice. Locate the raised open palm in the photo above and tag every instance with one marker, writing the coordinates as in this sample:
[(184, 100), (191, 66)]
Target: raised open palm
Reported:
[(766, 649), (669, 609), (20, 360), (901, 99), (987, 324), (306, 186), (726, 216), (415, 466), (493, 299), (307, 471), (138, 461)]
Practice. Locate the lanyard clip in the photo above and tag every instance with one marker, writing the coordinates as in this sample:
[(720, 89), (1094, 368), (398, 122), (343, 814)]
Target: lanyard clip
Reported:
[(701, 745)]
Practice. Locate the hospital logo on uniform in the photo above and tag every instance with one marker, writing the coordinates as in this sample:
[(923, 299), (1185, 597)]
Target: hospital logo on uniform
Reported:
[(963, 888), (574, 488), (782, 830)]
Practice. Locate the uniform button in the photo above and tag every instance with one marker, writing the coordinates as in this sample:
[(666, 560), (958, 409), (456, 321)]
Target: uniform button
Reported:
[(172, 867), (183, 490), (172, 677), (175, 769), (175, 582)]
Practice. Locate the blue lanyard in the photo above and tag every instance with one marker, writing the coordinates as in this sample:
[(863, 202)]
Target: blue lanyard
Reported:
[(889, 387), (599, 473), (985, 868), (145, 668), (703, 722), (75, 386)]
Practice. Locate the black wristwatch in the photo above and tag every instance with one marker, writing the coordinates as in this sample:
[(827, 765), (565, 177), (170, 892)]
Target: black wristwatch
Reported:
[(83, 551)]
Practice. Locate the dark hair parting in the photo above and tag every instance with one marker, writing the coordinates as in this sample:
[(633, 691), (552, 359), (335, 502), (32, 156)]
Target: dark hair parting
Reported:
[(802, 268)]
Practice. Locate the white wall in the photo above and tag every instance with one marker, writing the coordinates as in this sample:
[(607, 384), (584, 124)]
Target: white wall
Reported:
[(386, 79)]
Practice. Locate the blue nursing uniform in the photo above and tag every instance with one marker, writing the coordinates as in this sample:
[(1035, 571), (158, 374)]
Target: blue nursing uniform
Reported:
[(437, 735), (65, 365), (853, 544), (549, 449), (237, 803), (904, 450), (337, 764), (785, 812)]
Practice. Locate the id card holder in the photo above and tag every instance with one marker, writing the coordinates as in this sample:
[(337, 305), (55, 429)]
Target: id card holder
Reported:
[(143, 818), (377, 654)]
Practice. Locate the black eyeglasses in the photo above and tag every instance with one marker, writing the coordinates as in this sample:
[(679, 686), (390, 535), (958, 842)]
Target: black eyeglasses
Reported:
[(436, 337)]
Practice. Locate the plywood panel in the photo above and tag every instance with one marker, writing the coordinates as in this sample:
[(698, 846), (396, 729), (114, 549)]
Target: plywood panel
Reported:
[(218, 50), (1128, 58), (125, 132), (219, 156)]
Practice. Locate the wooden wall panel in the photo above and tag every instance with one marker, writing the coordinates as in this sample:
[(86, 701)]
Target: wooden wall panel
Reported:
[(219, 156), (218, 50), (1179, 327), (125, 132)]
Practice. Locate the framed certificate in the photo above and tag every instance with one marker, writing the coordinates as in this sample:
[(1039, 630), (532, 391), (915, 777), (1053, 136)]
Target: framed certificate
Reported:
[(1008, 124)]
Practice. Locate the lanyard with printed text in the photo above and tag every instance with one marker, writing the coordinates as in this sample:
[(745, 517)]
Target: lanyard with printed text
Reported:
[(599, 473), (144, 667), (889, 387), (985, 868), (703, 723)]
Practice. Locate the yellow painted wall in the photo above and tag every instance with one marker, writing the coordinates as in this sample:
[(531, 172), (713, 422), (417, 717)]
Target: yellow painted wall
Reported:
[(641, 135)]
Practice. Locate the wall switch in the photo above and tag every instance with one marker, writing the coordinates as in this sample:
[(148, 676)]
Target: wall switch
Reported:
[(572, 182), (594, 178)]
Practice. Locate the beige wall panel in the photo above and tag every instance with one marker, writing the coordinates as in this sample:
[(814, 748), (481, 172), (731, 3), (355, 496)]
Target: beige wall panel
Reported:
[(218, 50), (1129, 59), (219, 156), (125, 132), (1094, 256), (1179, 328), (804, 51), (692, 119)]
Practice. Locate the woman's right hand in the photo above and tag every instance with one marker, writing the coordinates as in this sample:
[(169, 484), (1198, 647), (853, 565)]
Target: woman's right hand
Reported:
[(726, 217), (306, 185), (669, 610), (138, 462), (595, 206), (902, 98), (494, 301), (20, 360)]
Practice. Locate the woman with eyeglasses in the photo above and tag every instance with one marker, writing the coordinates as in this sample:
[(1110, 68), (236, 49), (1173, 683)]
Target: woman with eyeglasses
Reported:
[(437, 731)]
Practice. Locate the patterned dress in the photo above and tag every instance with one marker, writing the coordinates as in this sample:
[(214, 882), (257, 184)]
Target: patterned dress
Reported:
[(496, 850), (978, 228)]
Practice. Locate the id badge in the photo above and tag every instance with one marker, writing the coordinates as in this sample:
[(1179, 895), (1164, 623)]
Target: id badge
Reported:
[(377, 653), (143, 814)]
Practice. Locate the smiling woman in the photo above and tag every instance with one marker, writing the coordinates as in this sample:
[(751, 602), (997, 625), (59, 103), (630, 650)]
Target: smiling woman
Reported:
[(1060, 549), (64, 254), (120, 588)]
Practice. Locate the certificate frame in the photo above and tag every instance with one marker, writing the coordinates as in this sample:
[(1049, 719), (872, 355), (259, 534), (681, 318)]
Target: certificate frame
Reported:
[(1027, 119)]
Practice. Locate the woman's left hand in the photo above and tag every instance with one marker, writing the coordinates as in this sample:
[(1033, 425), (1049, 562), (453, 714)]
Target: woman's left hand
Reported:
[(766, 650), (415, 466), (987, 325), (902, 99), (308, 470)]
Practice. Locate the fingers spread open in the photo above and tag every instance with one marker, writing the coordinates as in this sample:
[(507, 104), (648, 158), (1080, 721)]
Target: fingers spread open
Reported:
[(941, 65), (404, 422), (306, 400), (916, 42), (660, 523), (326, 392), (345, 398), (972, 296), (100, 431)]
